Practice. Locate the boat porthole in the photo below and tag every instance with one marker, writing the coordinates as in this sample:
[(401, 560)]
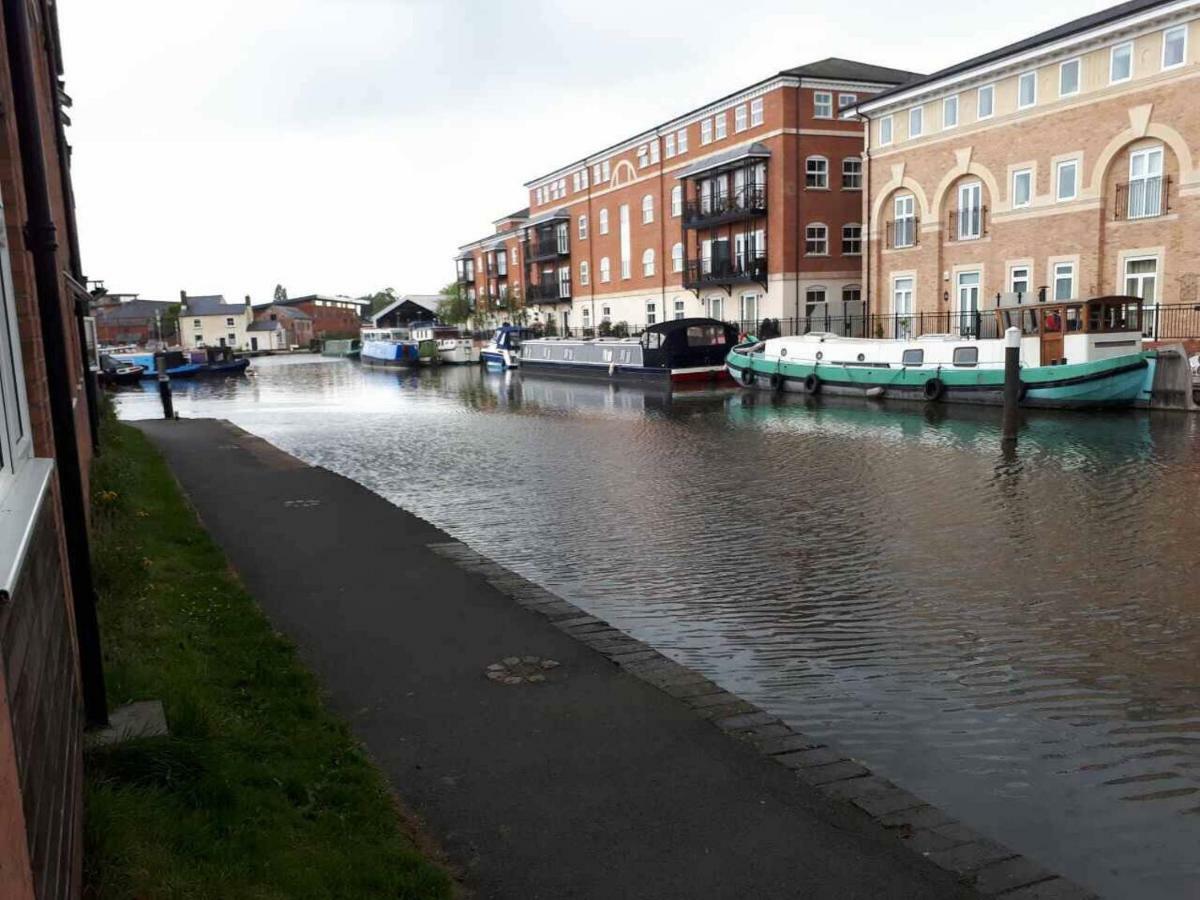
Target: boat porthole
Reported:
[(820, 354), (783, 351), (861, 357)]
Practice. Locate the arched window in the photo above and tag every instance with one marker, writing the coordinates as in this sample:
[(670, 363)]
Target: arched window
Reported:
[(677, 258), (583, 272), (604, 221), (648, 262), (605, 270), (816, 172), (851, 173), (816, 240), (647, 209), (677, 200)]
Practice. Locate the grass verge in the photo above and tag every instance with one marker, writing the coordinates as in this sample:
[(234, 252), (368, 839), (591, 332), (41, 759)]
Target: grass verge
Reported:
[(258, 792)]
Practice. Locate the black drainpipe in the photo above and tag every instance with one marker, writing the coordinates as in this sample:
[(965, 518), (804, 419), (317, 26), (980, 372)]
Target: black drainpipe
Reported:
[(42, 244), (799, 206), (869, 247)]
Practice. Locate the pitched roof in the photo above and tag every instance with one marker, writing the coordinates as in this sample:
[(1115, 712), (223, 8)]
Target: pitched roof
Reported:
[(1059, 32), (131, 310), (279, 310), (427, 302), (213, 305), (519, 214), (265, 325), (835, 68), (307, 297)]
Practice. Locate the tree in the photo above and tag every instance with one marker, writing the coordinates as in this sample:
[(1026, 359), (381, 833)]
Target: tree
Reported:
[(380, 299), (169, 326), (280, 294)]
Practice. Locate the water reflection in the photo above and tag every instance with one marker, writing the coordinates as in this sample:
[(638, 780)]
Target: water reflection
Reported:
[(1009, 633)]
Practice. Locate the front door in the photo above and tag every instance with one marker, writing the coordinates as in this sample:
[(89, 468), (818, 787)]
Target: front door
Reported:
[(968, 304), (566, 323), (253, 343)]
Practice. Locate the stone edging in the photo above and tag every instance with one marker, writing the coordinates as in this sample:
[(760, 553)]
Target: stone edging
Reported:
[(989, 867)]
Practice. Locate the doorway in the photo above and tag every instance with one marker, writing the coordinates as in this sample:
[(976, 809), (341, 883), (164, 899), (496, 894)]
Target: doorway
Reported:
[(967, 303)]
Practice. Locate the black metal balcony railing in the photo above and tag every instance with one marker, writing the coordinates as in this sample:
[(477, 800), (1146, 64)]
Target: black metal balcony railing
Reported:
[(466, 276), (699, 273), (747, 203), (902, 233), (549, 291), (1144, 198), (539, 249), (967, 224)]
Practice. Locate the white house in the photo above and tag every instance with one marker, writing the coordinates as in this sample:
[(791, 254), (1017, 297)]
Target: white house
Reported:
[(211, 322)]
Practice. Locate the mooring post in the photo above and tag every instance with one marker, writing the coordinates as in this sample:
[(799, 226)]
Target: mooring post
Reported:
[(1012, 383), (164, 385)]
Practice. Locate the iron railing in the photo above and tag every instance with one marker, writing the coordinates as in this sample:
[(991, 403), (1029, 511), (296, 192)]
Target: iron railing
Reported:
[(746, 203), (967, 224), (541, 248), (700, 273), (1144, 198), (903, 233), (548, 291)]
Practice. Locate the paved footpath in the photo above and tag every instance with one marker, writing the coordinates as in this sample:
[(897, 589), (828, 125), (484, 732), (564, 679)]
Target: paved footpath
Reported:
[(593, 783)]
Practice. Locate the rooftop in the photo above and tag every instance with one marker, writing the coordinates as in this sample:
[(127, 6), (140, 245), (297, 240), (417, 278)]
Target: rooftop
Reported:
[(213, 305), (131, 310)]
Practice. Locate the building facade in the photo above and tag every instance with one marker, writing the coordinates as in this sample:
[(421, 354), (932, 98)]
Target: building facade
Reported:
[(1063, 165), (51, 679), (747, 208), (147, 323), (209, 321), (332, 317), (277, 327), (490, 271)]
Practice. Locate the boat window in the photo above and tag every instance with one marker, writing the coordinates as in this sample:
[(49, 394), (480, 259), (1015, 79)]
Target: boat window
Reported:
[(966, 356), (652, 340), (1029, 321), (1052, 321), (608, 355), (705, 335), (1073, 318), (912, 357), (568, 353)]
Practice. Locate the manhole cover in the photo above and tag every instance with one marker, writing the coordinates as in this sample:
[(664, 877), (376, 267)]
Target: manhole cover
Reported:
[(521, 669)]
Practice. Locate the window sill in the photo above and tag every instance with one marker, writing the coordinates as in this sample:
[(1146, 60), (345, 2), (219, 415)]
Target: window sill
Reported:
[(18, 514), (810, 187)]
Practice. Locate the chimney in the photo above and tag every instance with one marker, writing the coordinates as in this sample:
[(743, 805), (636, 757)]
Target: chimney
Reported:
[(247, 300)]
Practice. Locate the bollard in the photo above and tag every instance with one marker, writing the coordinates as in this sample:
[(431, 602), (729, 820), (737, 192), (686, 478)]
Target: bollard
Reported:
[(1012, 383), (164, 385)]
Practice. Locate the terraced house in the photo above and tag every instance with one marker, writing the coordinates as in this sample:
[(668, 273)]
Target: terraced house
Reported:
[(1063, 163), (746, 208)]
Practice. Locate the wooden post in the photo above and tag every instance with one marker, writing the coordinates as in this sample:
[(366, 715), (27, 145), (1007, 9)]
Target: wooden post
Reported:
[(1012, 383), (164, 385)]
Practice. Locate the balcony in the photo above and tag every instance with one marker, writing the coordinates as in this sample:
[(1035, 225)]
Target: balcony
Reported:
[(539, 249), (466, 276), (967, 224), (724, 273), (903, 233), (1143, 198), (706, 212), (549, 292)]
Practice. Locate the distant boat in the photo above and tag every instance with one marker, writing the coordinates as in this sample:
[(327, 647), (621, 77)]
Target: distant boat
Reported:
[(452, 347), (219, 361), (394, 348), (178, 365), (503, 351), (345, 347), (114, 372), (674, 352)]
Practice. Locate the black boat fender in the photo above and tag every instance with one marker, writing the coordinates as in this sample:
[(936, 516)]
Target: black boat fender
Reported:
[(776, 382), (812, 383), (748, 376), (934, 389)]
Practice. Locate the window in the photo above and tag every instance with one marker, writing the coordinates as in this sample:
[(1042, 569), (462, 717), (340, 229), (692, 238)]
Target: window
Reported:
[(626, 250), (199, 339), (706, 132), (1174, 46), (1022, 187), (575, 182), (852, 294), (845, 101), (816, 172), (851, 240), (885, 131), (669, 142), (677, 258), (822, 105), (1026, 90), (916, 121), (606, 313), (1065, 179), (1145, 183), (648, 262), (756, 112), (562, 238), (1064, 281), (604, 221), (651, 312), (739, 118), (1018, 279), (643, 156), (1068, 78), (816, 240), (605, 270), (720, 120), (986, 101), (851, 173), (583, 226), (584, 275), (1141, 279), (904, 232), (677, 200), (716, 307), (966, 356), (1120, 63), (605, 170), (950, 112), (654, 151), (912, 358), (970, 211), (587, 318), (749, 308), (647, 209), (679, 308), (514, 256), (681, 137), (195, 323), (232, 338), (229, 322)]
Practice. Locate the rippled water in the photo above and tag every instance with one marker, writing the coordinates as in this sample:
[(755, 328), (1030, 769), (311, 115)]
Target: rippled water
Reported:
[(1013, 637)]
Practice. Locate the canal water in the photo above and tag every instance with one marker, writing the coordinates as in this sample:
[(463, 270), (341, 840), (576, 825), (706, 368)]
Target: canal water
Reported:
[(1014, 637)]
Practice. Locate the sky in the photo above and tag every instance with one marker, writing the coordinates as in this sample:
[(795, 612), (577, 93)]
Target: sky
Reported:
[(346, 146)]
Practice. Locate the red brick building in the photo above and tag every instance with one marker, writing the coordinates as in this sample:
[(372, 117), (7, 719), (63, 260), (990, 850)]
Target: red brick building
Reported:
[(137, 321), (50, 676), (278, 327), (746, 208), (490, 269), (331, 316)]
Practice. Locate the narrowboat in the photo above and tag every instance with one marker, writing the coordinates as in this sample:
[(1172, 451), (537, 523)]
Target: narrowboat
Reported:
[(218, 361), (114, 372), (344, 347), (503, 351), (1074, 354), (676, 351), (393, 348), (451, 346), (178, 365)]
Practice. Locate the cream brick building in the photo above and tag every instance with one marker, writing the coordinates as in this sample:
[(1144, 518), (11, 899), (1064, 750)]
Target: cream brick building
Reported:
[(211, 322), (1065, 162)]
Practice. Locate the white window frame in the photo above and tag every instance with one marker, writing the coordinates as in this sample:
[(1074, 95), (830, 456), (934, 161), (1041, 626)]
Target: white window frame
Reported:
[(647, 209), (604, 220), (990, 91), (909, 203), (584, 274), (1059, 167), (681, 138), (822, 100), (1077, 62), (583, 227), (856, 175), (720, 127), (626, 241), (948, 103), (741, 118), (1056, 270), (1028, 277), (654, 157), (910, 294), (1017, 173), (846, 238), (706, 132), (885, 139), (919, 113), (1148, 209), (816, 232), (648, 262), (1140, 276), (16, 433), (1126, 46), (1033, 75), (970, 215), (1183, 55), (756, 112), (845, 101), (643, 156), (677, 257), (680, 309), (748, 303), (669, 145), (676, 201), (605, 270), (820, 172)]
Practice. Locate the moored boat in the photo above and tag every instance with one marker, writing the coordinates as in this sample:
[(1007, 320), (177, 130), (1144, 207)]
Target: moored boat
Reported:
[(675, 351), (115, 372), (503, 351), (394, 348), (448, 340), (348, 348), (178, 365), (1074, 354)]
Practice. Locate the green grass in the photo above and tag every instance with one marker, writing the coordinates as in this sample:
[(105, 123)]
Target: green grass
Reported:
[(258, 792)]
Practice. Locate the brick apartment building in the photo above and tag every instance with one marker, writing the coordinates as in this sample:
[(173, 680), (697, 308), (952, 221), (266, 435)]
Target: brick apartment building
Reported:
[(1064, 162), (490, 269), (331, 316), (50, 675), (136, 321), (746, 208)]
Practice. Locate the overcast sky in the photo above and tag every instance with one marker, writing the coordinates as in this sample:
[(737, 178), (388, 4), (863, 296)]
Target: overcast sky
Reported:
[(343, 146)]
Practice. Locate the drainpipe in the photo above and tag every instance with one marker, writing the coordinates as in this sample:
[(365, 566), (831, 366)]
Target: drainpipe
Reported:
[(870, 248), (799, 217), (663, 211), (42, 244)]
